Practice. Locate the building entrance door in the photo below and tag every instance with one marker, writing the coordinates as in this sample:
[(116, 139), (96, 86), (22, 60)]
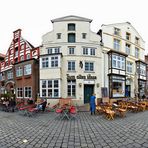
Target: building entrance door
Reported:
[(127, 91), (88, 91)]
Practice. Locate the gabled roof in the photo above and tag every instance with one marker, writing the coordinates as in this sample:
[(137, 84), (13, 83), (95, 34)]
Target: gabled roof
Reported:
[(71, 18), (121, 24)]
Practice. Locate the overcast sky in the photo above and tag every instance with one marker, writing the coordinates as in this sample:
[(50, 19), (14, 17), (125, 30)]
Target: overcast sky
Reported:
[(33, 16)]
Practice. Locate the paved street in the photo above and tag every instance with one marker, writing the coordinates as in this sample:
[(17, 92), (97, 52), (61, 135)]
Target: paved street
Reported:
[(44, 130)]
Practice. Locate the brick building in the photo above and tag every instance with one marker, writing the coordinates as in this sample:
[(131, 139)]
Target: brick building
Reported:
[(19, 70)]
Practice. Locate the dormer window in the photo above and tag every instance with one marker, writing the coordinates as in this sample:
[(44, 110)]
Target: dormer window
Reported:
[(71, 27), (117, 31)]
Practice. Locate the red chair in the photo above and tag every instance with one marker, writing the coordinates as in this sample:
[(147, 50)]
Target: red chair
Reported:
[(59, 111), (73, 112)]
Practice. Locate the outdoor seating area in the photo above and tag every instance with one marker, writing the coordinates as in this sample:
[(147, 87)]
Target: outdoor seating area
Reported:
[(121, 108), (66, 109)]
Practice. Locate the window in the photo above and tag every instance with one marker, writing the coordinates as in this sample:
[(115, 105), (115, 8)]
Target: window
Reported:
[(136, 40), (128, 36), (71, 65), (19, 92), (22, 58), (9, 74), (71, 50), (28, 56), (92, 51), (116, 44), (71, 88), (118, 62), (58, 35), (84, 35), (53, 50), (89, 51), (16, 51), (136, 52), (89, 66), (54, 61), (49, 50), (44, 88), (50, 88), (118, 89), (142, 69), (85, 51), (22, 46), (28, 92), (129, 67), (71, 27), (71, 37), (57, 50), (127, 48), (27, 69), (19, 71), (116, 31), (45, 63)]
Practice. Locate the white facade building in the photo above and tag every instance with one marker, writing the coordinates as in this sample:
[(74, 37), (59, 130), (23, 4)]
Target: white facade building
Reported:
[(123, 60), (70, 61)]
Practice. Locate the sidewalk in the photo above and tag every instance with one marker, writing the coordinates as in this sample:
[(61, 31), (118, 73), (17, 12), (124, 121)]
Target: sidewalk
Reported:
[(43, 131)]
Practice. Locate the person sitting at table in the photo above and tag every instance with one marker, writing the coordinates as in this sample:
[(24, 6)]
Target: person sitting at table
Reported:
[(44, 105)]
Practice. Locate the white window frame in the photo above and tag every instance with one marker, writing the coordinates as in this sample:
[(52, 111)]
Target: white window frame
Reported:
[(27, 69), (10, 75), (142, 70), (53, 88), (128, 49), (89, 51), (71, 65), (129, 67), (72, 85), (19, 71), (45, 62), (118, 62), (54, 60), (18, 90), (117, 44), (53, 50), (89, 66), (137, 51), (27, 87), (71, 50)]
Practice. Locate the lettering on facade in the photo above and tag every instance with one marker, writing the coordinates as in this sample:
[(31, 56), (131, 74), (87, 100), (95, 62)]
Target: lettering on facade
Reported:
[(89, 76)]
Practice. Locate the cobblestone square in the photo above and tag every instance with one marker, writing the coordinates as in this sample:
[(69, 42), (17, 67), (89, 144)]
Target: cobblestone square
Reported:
[(45, 131)]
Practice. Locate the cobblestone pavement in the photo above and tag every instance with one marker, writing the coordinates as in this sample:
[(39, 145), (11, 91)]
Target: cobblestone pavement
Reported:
[(43, 130)]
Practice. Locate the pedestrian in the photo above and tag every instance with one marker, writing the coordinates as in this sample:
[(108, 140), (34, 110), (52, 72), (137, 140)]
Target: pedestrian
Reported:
[(93, 104)]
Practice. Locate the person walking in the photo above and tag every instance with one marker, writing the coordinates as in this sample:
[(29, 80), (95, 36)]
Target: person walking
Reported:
[(92, 104)]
